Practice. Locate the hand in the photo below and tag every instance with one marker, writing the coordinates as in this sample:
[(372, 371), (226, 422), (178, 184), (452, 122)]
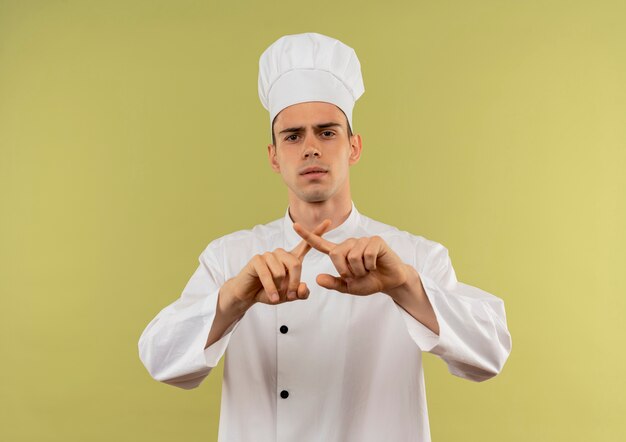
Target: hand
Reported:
[(273, 277), (365, 265)]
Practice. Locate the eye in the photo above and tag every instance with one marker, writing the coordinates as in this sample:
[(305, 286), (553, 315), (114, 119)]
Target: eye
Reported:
[(291, 137), (328, 134)]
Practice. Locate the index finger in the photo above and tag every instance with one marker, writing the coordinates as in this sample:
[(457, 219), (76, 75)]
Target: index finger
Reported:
[(314, 240), (303, 246)]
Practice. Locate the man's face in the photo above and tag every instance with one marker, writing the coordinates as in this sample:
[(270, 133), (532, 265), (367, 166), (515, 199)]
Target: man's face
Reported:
[(313, 150)]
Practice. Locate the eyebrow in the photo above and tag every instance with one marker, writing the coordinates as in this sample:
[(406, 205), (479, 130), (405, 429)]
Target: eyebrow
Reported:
[(317, 126)]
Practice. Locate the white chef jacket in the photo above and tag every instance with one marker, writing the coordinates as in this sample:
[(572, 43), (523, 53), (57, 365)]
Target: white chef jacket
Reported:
[(334, 367)]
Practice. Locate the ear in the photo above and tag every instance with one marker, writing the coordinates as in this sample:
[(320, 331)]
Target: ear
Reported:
[(271, 154), (355, 149)]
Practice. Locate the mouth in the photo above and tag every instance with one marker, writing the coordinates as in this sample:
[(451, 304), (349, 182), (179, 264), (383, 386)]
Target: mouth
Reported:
[(314, 175), (313, 171)]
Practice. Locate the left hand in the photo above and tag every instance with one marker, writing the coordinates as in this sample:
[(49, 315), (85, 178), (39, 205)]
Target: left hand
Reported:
[(366, 265)]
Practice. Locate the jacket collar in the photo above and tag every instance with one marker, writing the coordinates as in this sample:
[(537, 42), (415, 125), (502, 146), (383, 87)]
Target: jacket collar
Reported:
[(340, 233)]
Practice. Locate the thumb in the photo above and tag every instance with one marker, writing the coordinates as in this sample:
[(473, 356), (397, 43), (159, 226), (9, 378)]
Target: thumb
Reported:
[(332, 282)]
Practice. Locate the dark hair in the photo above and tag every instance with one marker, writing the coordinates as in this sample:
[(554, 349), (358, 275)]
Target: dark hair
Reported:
[(274, 137)]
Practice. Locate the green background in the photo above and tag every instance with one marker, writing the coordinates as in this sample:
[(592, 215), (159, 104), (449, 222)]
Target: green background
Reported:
[(131, 135)]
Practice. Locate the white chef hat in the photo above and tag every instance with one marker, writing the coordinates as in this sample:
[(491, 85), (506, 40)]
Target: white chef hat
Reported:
[(309, 67)]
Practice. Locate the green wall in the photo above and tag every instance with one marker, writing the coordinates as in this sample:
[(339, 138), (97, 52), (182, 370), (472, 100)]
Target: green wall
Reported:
[(131, 135)]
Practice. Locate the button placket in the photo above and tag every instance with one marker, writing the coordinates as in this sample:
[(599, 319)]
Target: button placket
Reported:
[(284, 365)]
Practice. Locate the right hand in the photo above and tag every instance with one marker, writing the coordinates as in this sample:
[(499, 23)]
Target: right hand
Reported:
[(273, 277)]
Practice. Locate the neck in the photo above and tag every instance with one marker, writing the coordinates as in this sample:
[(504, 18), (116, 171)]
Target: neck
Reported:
[(309, 215)]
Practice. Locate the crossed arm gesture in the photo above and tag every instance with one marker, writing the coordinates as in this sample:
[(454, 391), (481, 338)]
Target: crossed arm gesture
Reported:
[(274, 277), (365, 266)]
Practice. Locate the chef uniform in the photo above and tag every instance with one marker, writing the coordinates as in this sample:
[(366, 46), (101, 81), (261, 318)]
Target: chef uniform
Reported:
[(334, 367)]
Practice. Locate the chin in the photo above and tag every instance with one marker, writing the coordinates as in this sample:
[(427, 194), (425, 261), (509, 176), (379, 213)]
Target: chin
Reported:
[(314, 197)]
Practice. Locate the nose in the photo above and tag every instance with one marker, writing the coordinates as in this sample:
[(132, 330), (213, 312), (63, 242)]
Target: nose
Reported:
[(311, 149)]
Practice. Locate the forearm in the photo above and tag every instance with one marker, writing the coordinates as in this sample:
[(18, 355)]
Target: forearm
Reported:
[(411, 296), (228, 310)]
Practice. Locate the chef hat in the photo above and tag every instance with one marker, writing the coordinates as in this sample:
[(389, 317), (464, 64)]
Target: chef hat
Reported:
[(309, 67)]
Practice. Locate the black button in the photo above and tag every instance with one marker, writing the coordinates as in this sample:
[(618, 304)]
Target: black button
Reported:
[(284, 329), (284, 394)]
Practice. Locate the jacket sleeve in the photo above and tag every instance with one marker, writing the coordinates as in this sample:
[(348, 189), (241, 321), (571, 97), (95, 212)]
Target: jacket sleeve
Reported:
[(172, 345), (473, 339)]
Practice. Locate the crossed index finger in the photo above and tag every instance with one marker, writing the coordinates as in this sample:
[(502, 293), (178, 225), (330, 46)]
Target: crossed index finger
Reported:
[(304, 246), (313, 239)]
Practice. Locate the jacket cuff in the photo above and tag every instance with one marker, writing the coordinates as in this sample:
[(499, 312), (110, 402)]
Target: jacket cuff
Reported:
[(214, 352), (425, 338)]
